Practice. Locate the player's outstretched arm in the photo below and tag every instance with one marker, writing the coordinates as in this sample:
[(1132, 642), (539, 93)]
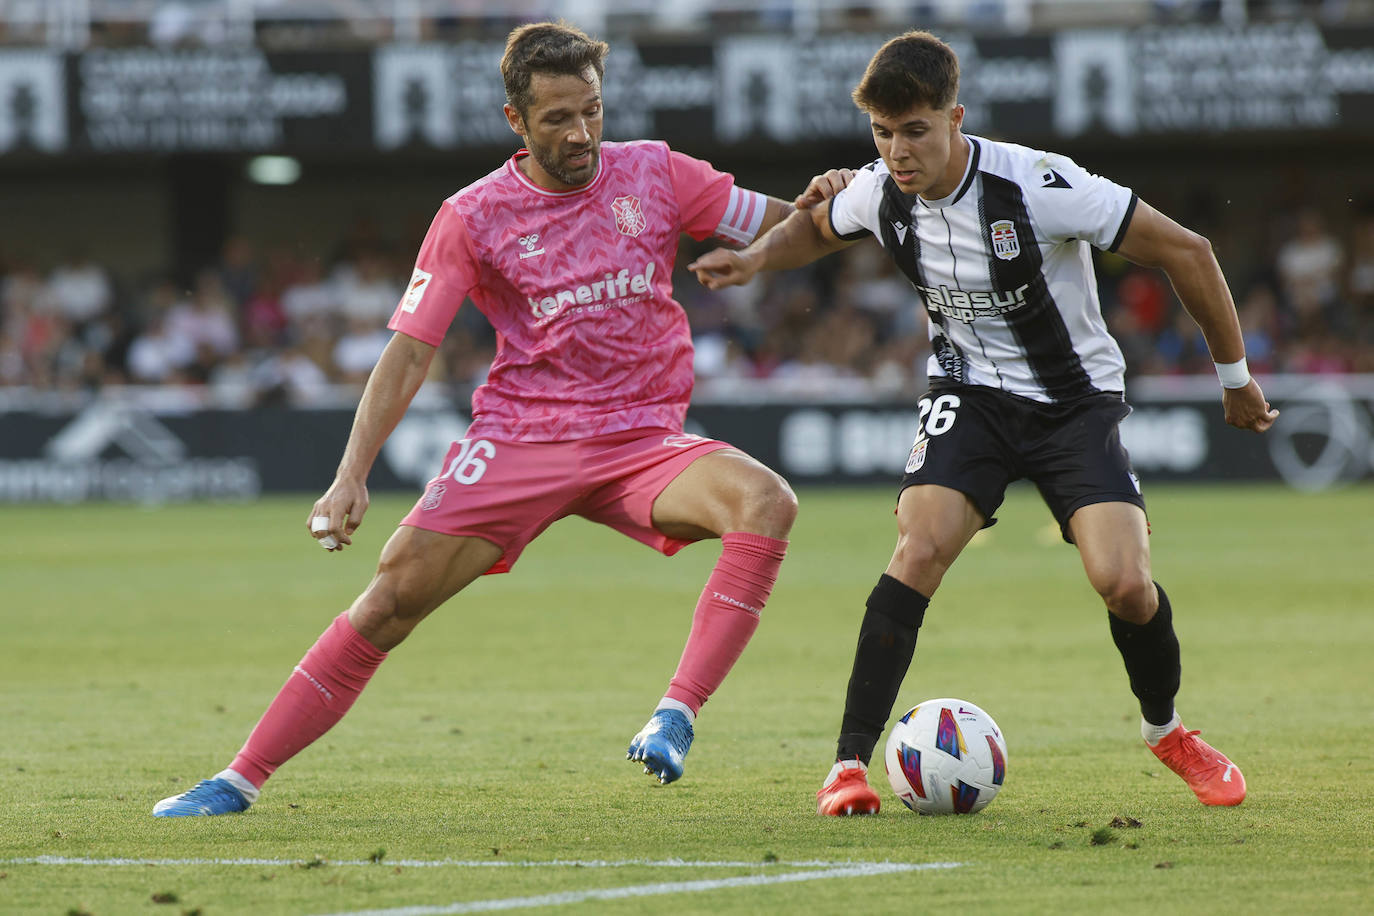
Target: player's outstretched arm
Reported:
[(798, 240), (390, 389), (1154, 240)]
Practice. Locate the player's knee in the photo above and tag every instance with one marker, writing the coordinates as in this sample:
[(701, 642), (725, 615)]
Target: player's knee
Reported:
[(922, 559), (1130, 596), (769, 508), (391, 606)]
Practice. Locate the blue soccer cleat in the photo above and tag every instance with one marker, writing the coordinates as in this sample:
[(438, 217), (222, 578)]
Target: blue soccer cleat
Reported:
[(662, 744), (210, 796)]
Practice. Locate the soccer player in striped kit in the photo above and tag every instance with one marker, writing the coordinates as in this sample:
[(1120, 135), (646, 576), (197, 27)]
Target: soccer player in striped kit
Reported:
[(568, 249), (1025, 381)]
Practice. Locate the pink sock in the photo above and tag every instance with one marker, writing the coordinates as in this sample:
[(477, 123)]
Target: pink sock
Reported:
[(727, 615), (316, 695)]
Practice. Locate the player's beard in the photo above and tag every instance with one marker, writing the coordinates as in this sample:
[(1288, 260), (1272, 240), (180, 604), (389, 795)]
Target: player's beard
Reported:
[(555, 163)]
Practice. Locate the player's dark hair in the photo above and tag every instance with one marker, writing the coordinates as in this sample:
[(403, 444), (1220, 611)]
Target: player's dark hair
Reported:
[(554, 48), (915, 68)]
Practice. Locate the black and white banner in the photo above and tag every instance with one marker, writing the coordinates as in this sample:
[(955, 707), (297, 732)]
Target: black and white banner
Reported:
[(732, 91), (137, 449)]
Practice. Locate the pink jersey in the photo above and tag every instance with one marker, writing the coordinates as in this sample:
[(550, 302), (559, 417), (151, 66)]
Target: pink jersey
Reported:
[(578, 286)]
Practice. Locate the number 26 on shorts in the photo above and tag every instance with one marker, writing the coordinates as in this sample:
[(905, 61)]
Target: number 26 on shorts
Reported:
[(937, 417), (468, 466)]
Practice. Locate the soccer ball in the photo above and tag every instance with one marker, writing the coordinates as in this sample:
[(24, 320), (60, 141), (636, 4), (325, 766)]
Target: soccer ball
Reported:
[(946, 757)]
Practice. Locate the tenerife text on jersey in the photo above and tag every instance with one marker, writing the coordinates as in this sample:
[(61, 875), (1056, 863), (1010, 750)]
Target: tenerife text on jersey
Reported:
[(611, 287)]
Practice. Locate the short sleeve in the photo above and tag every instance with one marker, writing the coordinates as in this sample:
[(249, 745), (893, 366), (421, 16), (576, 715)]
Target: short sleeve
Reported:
[(854, 210), (446, 270), (1069, 202), (703, 194)]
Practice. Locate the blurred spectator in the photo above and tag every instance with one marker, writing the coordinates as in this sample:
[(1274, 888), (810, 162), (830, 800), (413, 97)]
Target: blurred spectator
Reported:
[(359, 348), (206, 324), (1309, 269), (158, 356), (1360, 276), (238, 270), (1258, 310), (308, 293), (366, 288), (79, 288)]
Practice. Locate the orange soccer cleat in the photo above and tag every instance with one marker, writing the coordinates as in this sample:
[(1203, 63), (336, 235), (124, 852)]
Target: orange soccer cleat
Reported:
[(846, 791), (1213, 779)]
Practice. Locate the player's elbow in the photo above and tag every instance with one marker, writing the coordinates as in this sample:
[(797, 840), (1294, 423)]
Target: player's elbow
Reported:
[(1196, 245), (1184, 253)]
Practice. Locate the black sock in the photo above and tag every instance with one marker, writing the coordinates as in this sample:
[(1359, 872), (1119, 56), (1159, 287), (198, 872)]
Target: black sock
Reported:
[(1151, 654), (887, 638)]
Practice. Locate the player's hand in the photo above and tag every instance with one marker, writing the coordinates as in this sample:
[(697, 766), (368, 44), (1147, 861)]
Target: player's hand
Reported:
[(337, 514), (1246, 408), (823, 187), (721, 267)]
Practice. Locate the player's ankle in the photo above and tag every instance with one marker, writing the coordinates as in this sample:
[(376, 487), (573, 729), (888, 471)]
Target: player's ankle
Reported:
[(1153, 734), (249, 791)]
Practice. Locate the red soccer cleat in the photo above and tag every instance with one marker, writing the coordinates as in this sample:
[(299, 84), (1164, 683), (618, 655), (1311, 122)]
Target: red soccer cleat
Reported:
[(1213, 779), (846, 791)]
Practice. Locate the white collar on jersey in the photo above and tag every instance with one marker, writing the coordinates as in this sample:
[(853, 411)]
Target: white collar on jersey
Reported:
[(959, 189), (513, 164)]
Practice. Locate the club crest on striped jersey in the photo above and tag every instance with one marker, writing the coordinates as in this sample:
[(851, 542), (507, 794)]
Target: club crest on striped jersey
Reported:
[(1004, 241), (629, 218)]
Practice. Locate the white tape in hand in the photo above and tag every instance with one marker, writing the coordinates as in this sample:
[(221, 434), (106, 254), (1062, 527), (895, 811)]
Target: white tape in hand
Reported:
[(321, 523)]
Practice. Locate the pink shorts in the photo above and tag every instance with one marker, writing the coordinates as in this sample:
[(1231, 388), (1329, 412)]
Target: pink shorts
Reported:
[(508, 492)]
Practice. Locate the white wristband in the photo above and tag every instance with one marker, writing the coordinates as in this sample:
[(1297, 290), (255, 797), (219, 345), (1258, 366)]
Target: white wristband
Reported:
[(1233, 375)]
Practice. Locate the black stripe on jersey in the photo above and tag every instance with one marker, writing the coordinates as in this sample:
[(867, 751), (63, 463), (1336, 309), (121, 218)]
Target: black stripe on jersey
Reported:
[(972, 170), (1125, 222), (897, 209), (1038, 325)]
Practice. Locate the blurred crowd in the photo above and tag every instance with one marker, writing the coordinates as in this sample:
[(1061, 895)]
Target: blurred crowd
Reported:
[(274, 326)]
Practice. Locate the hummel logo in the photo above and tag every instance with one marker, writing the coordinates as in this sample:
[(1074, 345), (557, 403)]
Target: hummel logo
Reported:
[(529, 242), (1053, 179), (1226, 777), (900, 228)]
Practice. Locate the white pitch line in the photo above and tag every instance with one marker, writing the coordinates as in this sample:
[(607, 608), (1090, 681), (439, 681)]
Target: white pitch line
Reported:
[(461, 863), (652, 890)]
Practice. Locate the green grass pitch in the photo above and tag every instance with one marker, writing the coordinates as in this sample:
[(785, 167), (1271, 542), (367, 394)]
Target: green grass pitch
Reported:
[(140, 646)]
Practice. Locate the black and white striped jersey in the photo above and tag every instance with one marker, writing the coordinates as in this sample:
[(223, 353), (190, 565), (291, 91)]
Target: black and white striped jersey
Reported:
[(1003, 267)]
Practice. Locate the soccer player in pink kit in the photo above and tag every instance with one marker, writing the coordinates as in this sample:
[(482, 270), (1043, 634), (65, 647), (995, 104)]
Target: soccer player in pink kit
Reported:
[(568, 249)]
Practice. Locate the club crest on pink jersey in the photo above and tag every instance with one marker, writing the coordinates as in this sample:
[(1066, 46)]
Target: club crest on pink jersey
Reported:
[(629, 218), (434, 495)]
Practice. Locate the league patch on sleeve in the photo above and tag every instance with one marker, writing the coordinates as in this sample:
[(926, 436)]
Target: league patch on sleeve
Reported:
[(415, 291)]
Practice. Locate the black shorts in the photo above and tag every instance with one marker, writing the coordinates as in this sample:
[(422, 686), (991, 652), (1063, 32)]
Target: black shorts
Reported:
[(978, 440)]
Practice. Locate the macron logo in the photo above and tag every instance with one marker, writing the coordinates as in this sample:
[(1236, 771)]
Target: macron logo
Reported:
[(609, 288)]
